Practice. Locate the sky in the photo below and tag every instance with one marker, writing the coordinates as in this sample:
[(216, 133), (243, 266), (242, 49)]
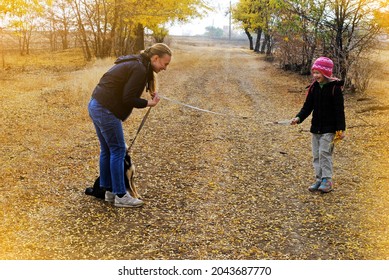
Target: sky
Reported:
[(216, 18)]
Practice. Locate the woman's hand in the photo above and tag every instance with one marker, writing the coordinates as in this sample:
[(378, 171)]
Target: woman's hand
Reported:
[(154, 101)]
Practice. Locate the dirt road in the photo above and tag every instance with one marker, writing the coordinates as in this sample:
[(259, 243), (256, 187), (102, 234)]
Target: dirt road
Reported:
[(215, 187)]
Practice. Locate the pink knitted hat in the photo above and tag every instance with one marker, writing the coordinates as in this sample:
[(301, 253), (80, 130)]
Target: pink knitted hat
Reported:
[(324, 65)]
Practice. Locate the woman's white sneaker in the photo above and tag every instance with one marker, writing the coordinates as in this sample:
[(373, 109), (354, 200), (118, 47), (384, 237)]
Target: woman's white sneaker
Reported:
[(127, 201), (109, 197)]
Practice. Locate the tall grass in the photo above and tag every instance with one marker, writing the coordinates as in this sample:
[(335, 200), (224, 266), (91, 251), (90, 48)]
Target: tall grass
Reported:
[(81, 83), (63, 74)]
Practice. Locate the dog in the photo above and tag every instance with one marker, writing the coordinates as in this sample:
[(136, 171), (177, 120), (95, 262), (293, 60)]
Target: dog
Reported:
[(128, 173)]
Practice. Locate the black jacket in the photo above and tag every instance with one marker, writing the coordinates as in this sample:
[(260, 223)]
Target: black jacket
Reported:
[(327, 105), (120, 88)]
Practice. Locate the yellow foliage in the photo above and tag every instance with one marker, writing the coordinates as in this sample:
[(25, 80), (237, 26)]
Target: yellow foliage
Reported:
[(155, 12)]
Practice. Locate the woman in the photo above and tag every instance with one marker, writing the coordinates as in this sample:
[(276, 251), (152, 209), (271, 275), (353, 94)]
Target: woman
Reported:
[(113, 99)]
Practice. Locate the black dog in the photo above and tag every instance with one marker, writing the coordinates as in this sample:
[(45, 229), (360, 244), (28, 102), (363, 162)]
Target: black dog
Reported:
[(128, 173)]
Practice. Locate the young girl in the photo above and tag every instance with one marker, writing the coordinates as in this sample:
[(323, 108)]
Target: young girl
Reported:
[(325, 101), (113, 99)]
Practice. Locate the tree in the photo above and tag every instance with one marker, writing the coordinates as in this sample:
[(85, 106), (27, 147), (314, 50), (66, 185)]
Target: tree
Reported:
[(257, 16), (78, 8), (8, 6), (24, 17), (59, 17), (159, 33), (214, 32), (382, 16), (157, 13), (298, 26), (352, 31), (241, 12), (103, 27), (343, 30), (117, 26)]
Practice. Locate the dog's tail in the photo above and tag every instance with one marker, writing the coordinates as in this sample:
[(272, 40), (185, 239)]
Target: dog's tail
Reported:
[(130, 175)]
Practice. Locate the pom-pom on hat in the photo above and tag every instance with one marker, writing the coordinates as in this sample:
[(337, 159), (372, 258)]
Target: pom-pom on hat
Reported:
[(324, 65)]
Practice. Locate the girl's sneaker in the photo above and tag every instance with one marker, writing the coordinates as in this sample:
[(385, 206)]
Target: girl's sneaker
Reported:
[(315, 186), (326, 186)]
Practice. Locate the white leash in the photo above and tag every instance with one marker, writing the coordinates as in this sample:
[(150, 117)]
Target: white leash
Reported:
[(282, 122), (199, 109)]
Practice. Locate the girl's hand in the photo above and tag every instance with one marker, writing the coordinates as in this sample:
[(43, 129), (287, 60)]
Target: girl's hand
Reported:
[(295, 121), (339, 136)]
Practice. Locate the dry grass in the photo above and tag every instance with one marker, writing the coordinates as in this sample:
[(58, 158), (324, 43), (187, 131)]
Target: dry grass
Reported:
[(379, 85), (70, 59)]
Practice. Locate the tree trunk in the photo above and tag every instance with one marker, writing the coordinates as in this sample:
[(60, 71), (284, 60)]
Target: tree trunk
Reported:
[(250, 38), (22, 42), (258, 41), (268, 45), (2, 49), (28, 39), (65, 34), (64, 40), (113, 39), (265, 43), (139, 39), (83, 35)]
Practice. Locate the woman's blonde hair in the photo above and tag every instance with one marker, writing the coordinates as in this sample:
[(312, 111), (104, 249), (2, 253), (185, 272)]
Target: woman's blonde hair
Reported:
[(159, 49)]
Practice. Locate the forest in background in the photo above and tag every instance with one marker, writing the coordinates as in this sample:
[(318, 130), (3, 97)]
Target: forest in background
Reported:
[(102, 27), (298, 31)]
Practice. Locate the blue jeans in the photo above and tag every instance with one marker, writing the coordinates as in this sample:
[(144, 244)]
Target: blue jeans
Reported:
[(112, 147)]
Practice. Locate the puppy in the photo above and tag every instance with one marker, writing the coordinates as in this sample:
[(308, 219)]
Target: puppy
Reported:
[(129, 180)]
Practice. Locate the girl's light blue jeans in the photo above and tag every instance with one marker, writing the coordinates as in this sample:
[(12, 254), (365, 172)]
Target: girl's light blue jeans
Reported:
[(112, 147), (322, 150)]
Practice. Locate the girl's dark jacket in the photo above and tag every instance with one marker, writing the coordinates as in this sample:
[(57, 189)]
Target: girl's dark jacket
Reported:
[(120, 88), (327, 105)]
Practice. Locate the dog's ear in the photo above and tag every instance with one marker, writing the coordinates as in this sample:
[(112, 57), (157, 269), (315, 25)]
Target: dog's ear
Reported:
[(127, 162)]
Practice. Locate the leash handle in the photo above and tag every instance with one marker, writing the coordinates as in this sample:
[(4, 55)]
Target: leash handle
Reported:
[(140, 128)]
